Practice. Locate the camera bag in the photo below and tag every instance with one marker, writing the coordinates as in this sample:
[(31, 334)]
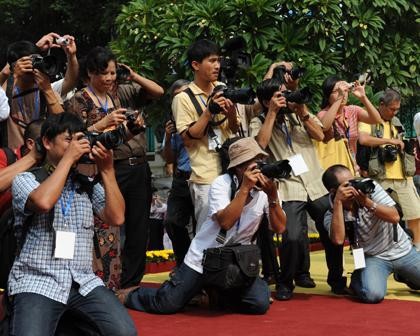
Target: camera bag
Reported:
[(231, 266)]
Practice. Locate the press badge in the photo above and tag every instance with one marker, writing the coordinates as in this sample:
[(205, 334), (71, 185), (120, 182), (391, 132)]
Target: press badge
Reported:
[(64, 244), (359, 258), (298, 164)]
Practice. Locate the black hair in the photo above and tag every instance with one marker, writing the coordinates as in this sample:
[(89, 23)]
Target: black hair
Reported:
[(96, 61), (57, 124), (388, 96), (266, 90), (176, 85), (327, 89), (17, 50), (201, 49), (33, 129), (329, 178)]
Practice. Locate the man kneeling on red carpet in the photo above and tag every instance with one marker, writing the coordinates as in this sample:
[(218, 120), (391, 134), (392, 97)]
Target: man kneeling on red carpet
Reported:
[(236, 207), (363, 210)]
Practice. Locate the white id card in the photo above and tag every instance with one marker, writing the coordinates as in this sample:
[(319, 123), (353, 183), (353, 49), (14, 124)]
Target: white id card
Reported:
[(359, 258), (298, 164), (212, 143), (64, 244)]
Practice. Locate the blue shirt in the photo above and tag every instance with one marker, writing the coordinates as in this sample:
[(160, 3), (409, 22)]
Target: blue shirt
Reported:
[(181, 154), (36, 270)]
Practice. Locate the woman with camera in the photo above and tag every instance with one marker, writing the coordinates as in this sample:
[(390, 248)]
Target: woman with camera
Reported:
[(101, 113), (340, 120)]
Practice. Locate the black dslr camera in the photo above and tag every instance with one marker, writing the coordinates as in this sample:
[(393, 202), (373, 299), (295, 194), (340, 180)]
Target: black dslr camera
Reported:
[(122, 74), (365, 185), (389, 153), (244, 96), (280, 71), (233, 58), (47, 65), (302, 96), (110, 140), (278, 169)]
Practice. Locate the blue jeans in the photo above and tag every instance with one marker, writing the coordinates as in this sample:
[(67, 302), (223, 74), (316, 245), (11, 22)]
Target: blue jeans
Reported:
[(370, 282), (37, 315), (175, 293)]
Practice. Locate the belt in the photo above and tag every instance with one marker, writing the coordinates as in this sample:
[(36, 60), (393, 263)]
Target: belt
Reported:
[(132, 161), (182, 174)]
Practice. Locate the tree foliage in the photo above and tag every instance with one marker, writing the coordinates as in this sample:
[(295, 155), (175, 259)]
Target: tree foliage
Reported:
[(90, 22), (341, 37)]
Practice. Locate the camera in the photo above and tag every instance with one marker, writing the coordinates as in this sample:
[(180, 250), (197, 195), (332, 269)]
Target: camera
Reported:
[(233, 58), (280, 71), (362, 79), (62, 41), (110, 140), (47, 65), (244, 96), (131, 116), (278, 169), (365, 185), (302, 96), (389, 153), (122, 73)]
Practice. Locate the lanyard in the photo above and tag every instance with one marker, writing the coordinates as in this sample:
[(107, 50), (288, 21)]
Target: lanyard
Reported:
[(65, 208), (35, 116), (285, 131), (202, 100), (104, 107)]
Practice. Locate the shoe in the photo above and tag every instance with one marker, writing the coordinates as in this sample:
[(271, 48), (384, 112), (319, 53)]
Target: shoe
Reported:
[(342, 291), (122, 294), (399, 278), (283, 293), (305, 282)]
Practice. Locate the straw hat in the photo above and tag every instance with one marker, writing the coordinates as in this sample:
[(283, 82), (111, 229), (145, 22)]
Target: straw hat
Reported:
[(243, 150)]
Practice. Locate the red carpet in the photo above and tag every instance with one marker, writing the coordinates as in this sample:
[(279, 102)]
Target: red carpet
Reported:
[(303, 315)]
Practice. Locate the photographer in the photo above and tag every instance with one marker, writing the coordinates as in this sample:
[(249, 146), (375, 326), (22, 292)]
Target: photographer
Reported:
[(100, 108), (180, 212), (380, 245), (54, 224), (202, 130), (236, 207), (340, 120), (31, 94), (389, 159), (288, 135)]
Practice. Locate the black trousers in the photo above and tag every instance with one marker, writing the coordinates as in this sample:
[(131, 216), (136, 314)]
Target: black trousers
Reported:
[(135, 185), (294, 248), (179, 212)]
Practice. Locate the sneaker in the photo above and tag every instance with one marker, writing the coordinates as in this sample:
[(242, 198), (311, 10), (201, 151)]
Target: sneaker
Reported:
[(283, 293), (341, 291), (305, 282)]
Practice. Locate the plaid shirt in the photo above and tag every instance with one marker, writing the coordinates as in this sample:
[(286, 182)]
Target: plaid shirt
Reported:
[(36, 270)]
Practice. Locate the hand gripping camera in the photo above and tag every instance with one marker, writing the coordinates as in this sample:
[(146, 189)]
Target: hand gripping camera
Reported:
[(47, 64), (244, 96), (278, 169), (365, 185)]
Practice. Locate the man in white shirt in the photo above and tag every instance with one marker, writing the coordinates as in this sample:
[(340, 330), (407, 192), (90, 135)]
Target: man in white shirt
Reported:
[(240, 218)]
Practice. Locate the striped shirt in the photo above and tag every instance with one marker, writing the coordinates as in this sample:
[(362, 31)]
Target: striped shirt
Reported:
[(375, 235), (36, 270)]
